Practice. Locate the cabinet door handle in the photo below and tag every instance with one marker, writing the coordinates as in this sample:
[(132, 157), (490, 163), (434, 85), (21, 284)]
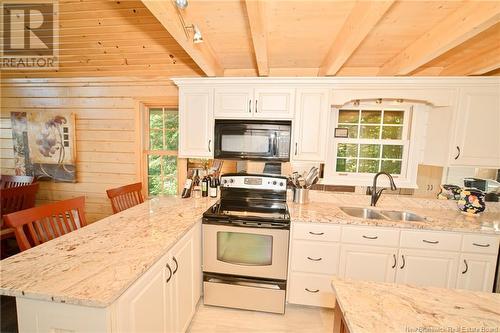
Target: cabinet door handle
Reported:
[(316, 233), (395, 261), (428, 187), (296, 148), (176, 265), (250, 106), (458, 153), (432, 187), (481, 245), (312, 291), (370, 237), (466, 267), (170, 274), (404, 262), (256, 106), (209, 146), (430, 242), (314, 259)]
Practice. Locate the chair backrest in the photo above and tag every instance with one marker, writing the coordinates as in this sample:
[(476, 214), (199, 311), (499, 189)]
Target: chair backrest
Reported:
[(15, 181), (38, 225), (17, 198), (125, 196)]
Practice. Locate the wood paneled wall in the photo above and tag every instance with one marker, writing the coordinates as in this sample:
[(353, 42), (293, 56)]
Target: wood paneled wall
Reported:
[(108, 130)]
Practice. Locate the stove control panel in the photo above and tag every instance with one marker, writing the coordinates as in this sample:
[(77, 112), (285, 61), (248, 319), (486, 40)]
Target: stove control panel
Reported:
[(254, 182)]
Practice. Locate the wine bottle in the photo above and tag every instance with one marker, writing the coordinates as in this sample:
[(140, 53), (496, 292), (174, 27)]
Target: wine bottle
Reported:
[(196, 185), (186, 191), (204, 187), (213, 188)]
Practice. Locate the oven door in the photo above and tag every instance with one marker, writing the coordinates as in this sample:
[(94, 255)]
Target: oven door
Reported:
[(255, 141), (251, 252)]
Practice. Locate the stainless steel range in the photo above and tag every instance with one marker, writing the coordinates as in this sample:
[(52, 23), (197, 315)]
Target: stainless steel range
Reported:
[(245, 244)]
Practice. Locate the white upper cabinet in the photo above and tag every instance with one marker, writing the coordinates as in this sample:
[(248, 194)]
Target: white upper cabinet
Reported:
[(234, 102), (477, 128), (196, 122), (310, 131), (246, 102), (274, 103)]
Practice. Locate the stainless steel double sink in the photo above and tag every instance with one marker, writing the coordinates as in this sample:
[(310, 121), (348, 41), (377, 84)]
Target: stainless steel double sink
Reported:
[(372, 214)]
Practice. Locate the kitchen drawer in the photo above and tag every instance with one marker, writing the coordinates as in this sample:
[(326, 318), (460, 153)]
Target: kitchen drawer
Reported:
[(315, 257), (370, 236), (311, 289), (431, 240), (318, 232), (480, 244)]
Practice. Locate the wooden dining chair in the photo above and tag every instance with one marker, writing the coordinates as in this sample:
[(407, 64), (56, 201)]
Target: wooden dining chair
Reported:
[(8, 181), (14, 199), (125, 197), (40, 224)]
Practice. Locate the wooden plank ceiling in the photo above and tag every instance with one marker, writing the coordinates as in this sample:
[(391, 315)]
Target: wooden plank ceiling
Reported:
[(279, 38)]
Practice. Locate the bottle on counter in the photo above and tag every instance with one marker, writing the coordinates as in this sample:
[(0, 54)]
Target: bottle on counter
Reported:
[(213, 190), (186, 191), (204, 186), (196, 185)]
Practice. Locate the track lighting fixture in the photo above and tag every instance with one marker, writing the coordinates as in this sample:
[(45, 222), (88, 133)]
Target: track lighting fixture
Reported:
[(181, 4), (197, 37)]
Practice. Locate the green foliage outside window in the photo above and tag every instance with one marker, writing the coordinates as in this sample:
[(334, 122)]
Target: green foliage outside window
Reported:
[(162, 158)]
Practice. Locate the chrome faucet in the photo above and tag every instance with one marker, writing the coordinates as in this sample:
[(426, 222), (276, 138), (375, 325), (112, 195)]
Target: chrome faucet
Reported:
[(373, 190)]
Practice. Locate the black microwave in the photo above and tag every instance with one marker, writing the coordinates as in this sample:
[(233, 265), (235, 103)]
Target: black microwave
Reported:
[(259, 140)]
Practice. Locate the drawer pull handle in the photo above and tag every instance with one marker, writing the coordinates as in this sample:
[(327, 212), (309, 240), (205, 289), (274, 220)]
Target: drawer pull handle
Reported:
[(429, 242), (403, 265), (466, 267), (395, 260), (316, 233), (481, 245), (370, 237), (314, 259), (312, 291)]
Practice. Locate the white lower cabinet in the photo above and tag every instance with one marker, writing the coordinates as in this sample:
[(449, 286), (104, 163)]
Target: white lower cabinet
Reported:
[(164, 298), (442, 259), (476, 272), (371, 263), (427, 268)]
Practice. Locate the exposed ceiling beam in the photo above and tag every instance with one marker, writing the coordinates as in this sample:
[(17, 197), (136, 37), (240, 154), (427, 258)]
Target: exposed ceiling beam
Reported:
[(469, 20), (201, 53), (476, 64), (255, 11), (362, 19)]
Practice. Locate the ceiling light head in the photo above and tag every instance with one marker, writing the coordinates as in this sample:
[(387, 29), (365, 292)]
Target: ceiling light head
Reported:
[(197, 37), (181, 4)]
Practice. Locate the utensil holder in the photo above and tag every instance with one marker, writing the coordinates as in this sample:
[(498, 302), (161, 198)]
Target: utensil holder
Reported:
[(301, 195)]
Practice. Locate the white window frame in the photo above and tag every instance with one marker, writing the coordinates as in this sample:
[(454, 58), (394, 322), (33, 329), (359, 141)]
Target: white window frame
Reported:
[(410, 142)]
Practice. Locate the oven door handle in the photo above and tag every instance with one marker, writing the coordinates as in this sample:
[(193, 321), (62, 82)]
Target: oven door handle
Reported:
[(242, 223)]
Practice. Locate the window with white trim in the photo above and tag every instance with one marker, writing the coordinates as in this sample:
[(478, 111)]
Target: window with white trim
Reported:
[(160, 153), (378, 139)]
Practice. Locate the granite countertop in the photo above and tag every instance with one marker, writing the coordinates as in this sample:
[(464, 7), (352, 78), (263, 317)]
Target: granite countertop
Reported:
[(94, 265), (441, 215), (373, 307)]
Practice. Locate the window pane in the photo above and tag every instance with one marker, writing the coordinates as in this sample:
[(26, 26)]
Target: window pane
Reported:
[(171, 130), (392, 151), (346, 165), (369, 151), (169, 166), (368, 166), (348, 116), (352, 131), (154, 167), (392, 132), (156, 118), (347, 150), (370, 132), (393, 117), (371, 117), (170, 186), (154, 185), (155, 140), (391, 166)]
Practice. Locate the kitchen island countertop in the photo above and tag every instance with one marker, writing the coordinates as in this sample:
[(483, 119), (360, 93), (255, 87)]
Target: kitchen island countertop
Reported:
[(94, 265), (373, 307)]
